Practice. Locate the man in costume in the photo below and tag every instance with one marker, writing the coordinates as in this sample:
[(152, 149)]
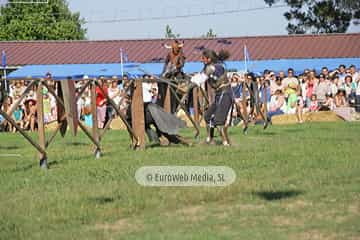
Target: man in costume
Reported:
[(219, 112)]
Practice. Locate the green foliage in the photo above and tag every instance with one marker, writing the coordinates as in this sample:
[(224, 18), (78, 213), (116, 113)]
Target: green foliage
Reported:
[(210, 34), (325, 16), (293, 182), (52, 21), (169, 33)]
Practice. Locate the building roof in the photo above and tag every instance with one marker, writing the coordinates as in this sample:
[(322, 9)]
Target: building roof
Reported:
[(259, 48)]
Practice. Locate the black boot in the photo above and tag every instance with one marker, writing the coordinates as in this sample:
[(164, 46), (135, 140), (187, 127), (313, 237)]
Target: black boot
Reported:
[(153, 136)]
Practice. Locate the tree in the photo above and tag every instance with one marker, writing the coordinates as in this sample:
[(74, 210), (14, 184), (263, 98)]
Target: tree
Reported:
[(320, 16), (210, 34), (169, 33), (51, 21)]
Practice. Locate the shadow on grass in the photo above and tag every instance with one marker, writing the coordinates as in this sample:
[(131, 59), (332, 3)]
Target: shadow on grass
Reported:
[(277, 195), (102, 200), (294, 130), (266, 133), (8, 147), (77, 144), (24, 168)]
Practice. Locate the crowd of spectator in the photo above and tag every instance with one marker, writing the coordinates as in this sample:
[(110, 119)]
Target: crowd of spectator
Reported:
[(310, 91), (287, 93)]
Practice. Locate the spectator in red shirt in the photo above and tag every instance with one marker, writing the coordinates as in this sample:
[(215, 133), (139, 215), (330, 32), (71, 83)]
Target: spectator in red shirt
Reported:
[(101, 103)]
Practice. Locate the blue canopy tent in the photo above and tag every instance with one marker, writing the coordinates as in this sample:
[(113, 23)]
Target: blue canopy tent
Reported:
[(75, 71), (135, 70)]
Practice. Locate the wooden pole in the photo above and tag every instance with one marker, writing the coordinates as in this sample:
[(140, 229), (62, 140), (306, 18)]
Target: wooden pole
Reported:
[(137, 115), (196, 104), (167, 101), (41, 125), (22, 132), (95, 134)]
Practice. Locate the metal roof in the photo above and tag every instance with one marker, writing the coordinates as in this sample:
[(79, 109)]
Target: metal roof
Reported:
[(151, 50)]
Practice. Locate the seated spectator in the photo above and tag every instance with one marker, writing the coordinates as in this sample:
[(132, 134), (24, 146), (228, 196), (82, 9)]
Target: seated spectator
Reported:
[(277, 104), (30, 114), (340, 99), (18, 116), (314, 105), (329, 103)]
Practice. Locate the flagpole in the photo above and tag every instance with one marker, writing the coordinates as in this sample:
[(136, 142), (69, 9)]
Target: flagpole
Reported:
[(245, 58), (121, 63), (5, 80), (3, 63)]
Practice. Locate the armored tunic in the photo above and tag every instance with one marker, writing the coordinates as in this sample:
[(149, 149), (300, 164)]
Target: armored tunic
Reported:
[(219, 111)]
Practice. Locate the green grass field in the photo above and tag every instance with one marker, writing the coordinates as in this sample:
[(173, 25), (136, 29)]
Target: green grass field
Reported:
[(293, 182)]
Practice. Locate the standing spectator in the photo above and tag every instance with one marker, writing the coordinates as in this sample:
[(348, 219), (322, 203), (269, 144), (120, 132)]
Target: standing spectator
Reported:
[(292, 99), (354, 74), (299, 106), (333, 85), (101, 103), (325, 72), (342, 72), (321, 89), (310, 87), (276, 85), (357, 99), (47, 107), (114, 92), (350, 89), (282, 75), (290, 79)]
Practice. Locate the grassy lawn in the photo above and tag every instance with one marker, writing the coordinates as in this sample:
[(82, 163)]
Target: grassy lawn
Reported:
[(293, 182)]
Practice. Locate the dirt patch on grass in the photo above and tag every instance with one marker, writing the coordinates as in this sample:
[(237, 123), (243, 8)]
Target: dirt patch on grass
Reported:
[(298, 204), (283, 221), (315, 235), (354, 209), (191, 214), (124, 225)]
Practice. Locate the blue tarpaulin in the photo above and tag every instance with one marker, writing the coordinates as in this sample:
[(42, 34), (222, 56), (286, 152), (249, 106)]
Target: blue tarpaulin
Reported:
[(78, 71), (75, 71)]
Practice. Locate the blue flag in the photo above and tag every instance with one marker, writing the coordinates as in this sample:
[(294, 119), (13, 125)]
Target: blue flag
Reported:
[(3, 58), (124, 55), (246, 58)]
